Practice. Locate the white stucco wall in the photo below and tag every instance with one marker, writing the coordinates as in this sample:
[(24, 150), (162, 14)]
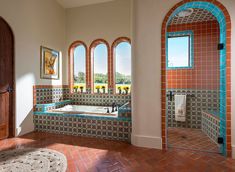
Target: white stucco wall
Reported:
[(34, 23), (148, 16), (108, 21), (44, 22)]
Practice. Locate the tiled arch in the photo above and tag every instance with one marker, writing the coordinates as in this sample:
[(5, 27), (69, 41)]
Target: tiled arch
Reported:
[(71, 62), (112, 60), (90, 62), (223, 17)]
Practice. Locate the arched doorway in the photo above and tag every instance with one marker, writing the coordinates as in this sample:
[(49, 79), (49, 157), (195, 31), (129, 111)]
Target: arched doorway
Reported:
[(7, 127), (223, 18)]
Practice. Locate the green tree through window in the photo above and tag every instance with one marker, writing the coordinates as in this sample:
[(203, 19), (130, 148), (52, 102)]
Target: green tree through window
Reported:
[(123, 67), (80, 67), (101, 68)]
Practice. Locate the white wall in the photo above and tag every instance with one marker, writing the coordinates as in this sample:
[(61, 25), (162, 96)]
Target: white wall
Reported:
[(45, 22), (148, 16), (34, 23), (106, 20)]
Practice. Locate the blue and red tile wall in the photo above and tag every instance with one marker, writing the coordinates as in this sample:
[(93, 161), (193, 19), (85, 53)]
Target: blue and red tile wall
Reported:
[(223, 18)]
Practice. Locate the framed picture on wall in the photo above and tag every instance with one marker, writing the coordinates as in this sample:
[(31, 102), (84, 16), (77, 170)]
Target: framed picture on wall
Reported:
[(49, 63)]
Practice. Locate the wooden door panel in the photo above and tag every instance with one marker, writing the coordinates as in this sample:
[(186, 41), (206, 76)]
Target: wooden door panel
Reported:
[(6, 78), (4, 115)]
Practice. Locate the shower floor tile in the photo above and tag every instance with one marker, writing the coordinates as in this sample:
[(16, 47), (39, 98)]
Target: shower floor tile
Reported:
[(193, 139)]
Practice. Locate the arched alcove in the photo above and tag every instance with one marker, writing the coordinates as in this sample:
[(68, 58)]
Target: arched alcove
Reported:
[(223, 18)]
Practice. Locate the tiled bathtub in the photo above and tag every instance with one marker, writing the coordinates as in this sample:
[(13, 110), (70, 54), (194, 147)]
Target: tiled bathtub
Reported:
[(113, 128)]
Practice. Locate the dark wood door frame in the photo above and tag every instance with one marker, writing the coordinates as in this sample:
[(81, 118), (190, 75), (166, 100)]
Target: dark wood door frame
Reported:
[(8, 32)]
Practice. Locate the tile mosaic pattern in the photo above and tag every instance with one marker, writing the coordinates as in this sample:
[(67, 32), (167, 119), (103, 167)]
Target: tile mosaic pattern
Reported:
[(211, 125), (51, 106), (115, 128), (84, 125), (223, 36), (100, 99), (125, 111), (192, 139), (99, 155), (198, 15), (197, 101), (49, 94), (223, 17)]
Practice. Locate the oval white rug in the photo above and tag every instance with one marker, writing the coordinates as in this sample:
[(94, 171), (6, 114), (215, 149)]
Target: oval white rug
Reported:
[(32, 159)]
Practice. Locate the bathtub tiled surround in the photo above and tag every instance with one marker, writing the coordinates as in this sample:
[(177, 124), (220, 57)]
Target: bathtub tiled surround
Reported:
[(125, 110), (50, 94), (47, 98), (82, 125), (51, 106), (196, 101), (211, 125), (100, 99)]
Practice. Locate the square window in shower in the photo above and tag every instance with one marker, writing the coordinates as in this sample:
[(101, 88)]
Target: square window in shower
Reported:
[(179, 49)]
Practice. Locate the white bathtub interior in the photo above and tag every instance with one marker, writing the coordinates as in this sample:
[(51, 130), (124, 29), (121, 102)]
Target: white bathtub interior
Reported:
[(86, 109)]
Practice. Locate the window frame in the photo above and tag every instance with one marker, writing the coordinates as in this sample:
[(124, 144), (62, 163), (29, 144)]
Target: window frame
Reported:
[(93, 45), (89, 64), (188, 34), (71, 63), (114, 45)]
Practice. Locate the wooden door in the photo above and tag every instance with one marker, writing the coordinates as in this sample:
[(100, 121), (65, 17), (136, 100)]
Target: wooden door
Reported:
[(6, 79)]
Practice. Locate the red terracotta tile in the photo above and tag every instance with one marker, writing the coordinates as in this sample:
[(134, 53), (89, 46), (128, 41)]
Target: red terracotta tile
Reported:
[(90, 155)]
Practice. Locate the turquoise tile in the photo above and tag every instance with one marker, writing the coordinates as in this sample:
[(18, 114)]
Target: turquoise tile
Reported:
[(221, 19)]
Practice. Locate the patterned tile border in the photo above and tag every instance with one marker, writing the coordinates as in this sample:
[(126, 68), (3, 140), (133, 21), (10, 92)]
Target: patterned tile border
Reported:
[(51, 106), (44, 94), (221, 14), (50, 97), (83, 125), (211, 125), (125, 111), (197, 100)]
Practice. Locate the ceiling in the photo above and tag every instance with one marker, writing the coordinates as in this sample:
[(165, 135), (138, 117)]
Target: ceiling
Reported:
[(198, 15), (78, 3)]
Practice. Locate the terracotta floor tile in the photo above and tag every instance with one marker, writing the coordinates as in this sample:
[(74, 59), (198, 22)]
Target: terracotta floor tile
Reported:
[(97, 155)]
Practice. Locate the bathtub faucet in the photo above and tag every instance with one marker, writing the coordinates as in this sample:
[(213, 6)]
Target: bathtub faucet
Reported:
[(107, 110), (114, 106)]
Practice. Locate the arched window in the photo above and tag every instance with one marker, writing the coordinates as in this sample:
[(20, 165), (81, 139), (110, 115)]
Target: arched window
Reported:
[(77, 66), (100, 68), (123, 67)]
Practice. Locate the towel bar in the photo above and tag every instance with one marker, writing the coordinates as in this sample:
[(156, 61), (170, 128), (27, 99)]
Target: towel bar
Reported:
[(172, 94)]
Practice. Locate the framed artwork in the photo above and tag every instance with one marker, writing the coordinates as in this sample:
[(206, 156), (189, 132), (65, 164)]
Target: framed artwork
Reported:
[(50, 63)]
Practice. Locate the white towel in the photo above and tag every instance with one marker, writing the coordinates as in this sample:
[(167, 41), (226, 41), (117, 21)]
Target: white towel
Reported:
[(180, 108)]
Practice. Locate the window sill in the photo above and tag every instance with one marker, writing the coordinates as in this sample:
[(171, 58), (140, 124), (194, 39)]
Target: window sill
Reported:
[(86, 93)]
